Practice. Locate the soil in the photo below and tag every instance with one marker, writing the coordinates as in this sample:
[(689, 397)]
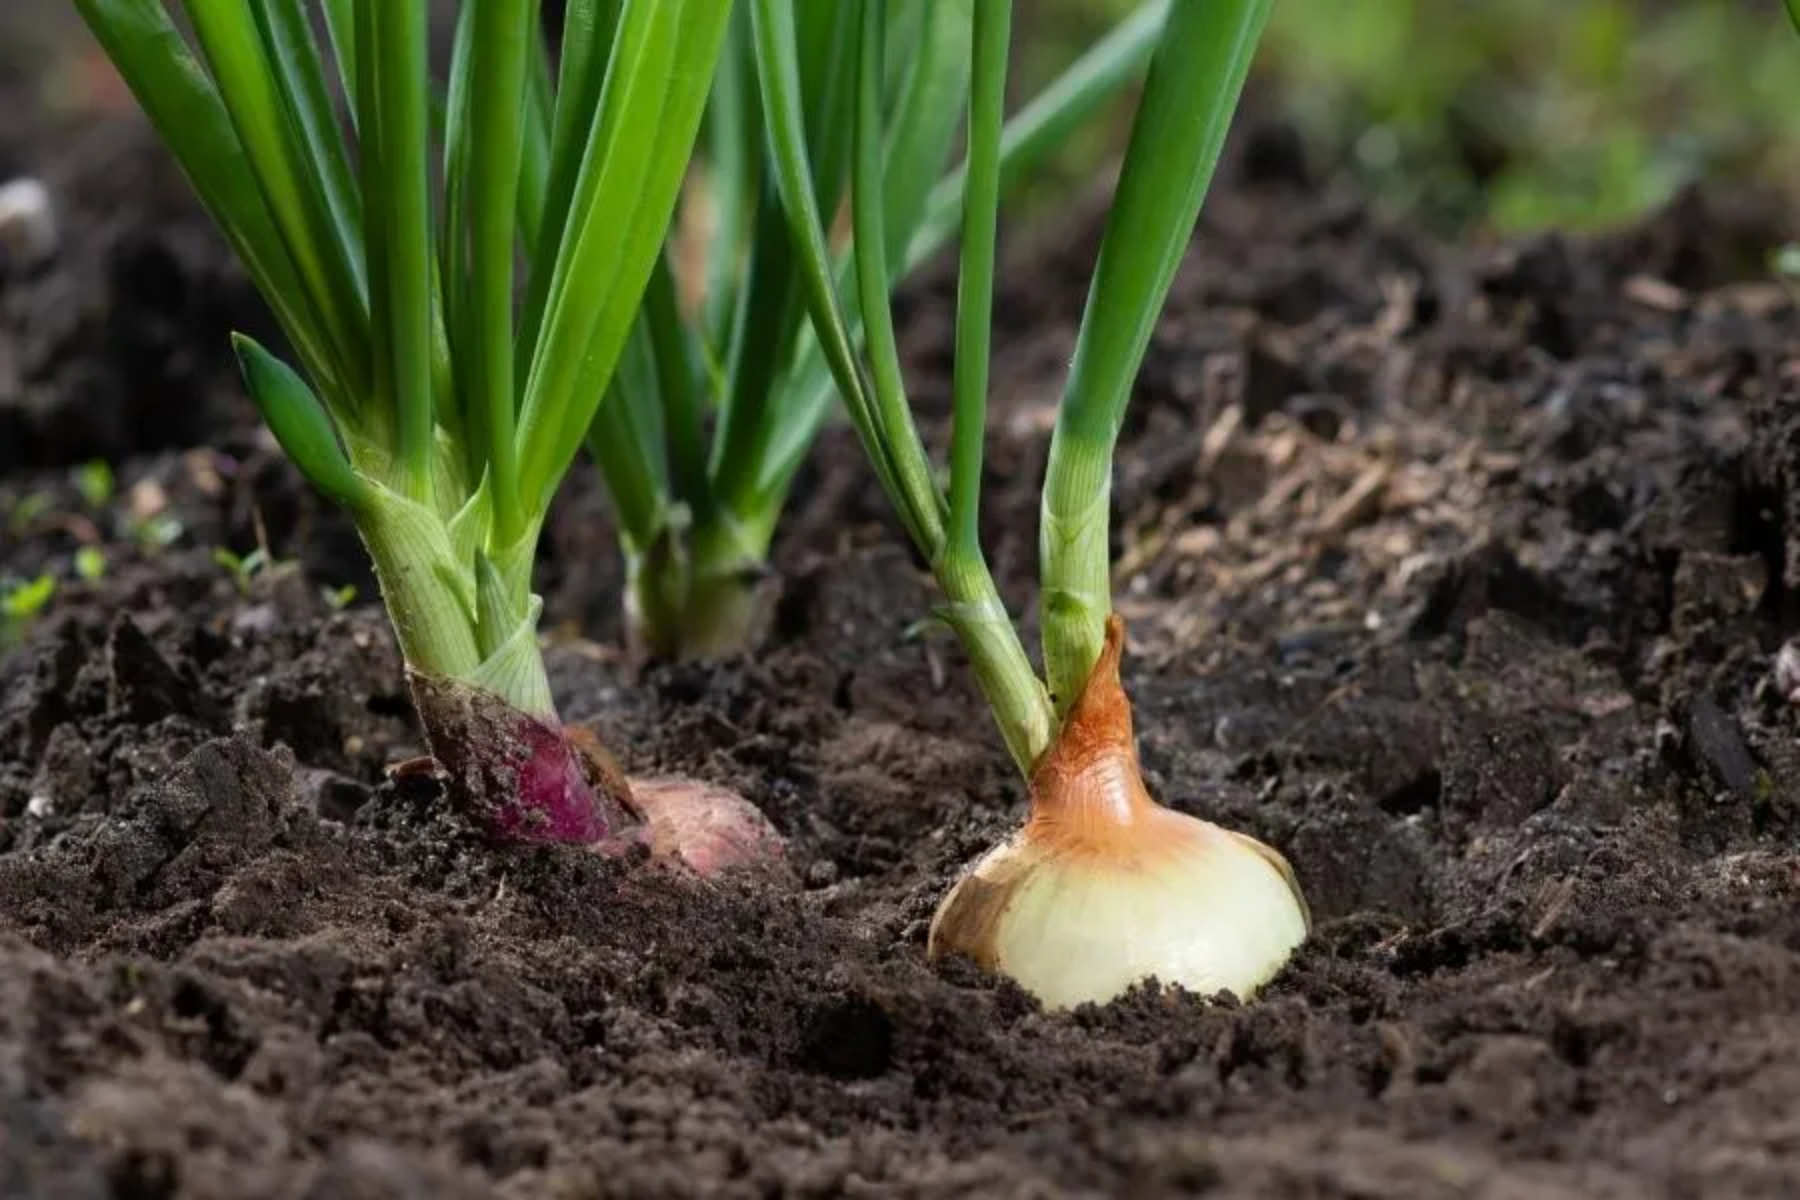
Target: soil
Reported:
[(1461, 574)]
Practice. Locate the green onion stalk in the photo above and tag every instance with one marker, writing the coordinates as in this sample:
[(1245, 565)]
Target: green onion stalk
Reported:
[(434, 403), (722, 388), (1102, 887)]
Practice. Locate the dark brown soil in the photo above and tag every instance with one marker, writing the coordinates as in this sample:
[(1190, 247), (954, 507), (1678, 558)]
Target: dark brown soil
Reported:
[(1460, 575)]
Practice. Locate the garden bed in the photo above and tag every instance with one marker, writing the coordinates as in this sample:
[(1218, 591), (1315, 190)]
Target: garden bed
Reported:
[(1458, 574)]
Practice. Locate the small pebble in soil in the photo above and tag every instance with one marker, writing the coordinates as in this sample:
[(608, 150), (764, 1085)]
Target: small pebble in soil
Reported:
[(28, 228), (1718, 741), (1787, 671)]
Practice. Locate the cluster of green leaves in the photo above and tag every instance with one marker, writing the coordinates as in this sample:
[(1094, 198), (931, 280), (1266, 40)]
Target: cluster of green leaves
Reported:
[(434, 401), (441, 404), (1201, 59), (698, 503)]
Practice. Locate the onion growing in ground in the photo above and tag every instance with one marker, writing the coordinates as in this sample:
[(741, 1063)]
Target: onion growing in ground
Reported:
[(437, 402), (1104, 887)]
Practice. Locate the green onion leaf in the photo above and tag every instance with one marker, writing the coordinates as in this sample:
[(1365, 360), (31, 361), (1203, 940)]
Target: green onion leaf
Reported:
[(1045, 123), (975, 280), (916, 492), (1189, 99), (733, 177), (499, 60), (771, 306), (182, 103), (288, 37), (1029, 136), (274, 143), (340, 26), (927, 118), (397, 115), (588, 27), (778, 72), (627, 439), (643, 131), (534, 167), (299, 423)]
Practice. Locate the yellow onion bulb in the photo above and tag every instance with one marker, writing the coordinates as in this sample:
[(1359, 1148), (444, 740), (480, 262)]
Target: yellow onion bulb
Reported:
[(1104, 888)]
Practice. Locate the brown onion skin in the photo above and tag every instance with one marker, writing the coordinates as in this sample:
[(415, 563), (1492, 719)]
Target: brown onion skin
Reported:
[(1087, 791)]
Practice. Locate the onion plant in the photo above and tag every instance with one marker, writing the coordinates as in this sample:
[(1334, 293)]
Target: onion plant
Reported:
[(1102, 887), (432, 398), (697, 500)]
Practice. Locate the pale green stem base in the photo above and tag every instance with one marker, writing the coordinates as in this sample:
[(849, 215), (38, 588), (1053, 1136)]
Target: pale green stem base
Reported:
[(703, 594), (682, 616), (1003, 671), (438, 595)]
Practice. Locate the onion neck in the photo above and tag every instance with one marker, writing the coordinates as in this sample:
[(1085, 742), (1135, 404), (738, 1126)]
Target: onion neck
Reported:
[(1087, 787)]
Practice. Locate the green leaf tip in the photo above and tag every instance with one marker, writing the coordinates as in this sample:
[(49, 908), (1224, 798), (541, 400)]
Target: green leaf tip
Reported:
[(299, 423)]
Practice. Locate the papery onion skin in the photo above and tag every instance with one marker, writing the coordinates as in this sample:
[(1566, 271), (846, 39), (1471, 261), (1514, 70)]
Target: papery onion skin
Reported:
[(519, 777), (709, 828), (1104, 888), (527, 780)]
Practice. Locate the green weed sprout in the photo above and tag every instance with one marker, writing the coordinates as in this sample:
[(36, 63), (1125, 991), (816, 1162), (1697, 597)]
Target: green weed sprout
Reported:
[(243, 568), (94, 480), (22, 602), (434, 401), (1102, 887), (90, 564)]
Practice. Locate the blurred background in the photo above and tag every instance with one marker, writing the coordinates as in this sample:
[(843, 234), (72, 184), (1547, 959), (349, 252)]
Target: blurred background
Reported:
[(1492, 115), (1513, 115)]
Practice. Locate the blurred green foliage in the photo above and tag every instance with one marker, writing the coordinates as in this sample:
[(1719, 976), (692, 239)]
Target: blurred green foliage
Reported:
[(1515, 114), (1526, 113), (22, 602)]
